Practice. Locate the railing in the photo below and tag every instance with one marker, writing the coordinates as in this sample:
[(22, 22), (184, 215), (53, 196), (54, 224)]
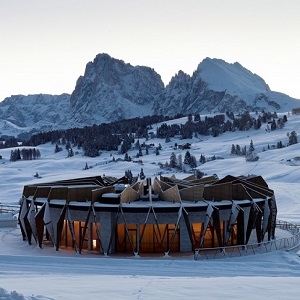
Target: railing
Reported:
[(289, 243), (10, 210), (293, 228), (6, 208)]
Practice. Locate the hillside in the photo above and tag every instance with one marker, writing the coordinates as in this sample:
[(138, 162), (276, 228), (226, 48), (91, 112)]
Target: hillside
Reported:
[(47, 273), (280, 167)]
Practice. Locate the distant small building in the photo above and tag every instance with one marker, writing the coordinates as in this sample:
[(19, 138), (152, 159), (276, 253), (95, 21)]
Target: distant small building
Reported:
[(185, 146)]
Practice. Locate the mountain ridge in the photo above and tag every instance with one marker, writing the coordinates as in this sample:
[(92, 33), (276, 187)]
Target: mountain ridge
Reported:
[(111, 90)]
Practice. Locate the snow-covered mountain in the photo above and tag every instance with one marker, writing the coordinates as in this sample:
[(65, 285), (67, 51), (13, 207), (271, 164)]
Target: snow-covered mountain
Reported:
[(217, 86), (33, 112), (111, 89)]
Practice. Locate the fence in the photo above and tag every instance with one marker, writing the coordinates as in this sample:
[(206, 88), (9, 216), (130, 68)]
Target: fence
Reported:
[(289, 243), (5, 208), (7, 215)]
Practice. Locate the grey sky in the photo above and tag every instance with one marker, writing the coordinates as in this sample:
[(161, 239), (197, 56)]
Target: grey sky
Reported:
[(45, 44)]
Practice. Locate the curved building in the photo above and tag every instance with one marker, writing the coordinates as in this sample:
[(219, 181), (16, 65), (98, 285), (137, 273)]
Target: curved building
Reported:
[(160, 215)]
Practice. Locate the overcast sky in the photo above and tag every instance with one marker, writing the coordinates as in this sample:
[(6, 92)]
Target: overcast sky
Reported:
[(46, 44)]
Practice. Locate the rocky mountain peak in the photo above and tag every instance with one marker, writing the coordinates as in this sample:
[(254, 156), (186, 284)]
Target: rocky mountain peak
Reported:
[(111, 89), (116, 89)]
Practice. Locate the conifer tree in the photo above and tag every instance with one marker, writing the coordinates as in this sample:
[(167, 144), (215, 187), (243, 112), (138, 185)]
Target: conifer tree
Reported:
[(179, 162), (233, 151), (251, 147), (250, 154), (142, 175), (202, 159), (173, 160), (126, 157), (156, 151), (293, 138), (57, 148), (187, 158), (193, 162)]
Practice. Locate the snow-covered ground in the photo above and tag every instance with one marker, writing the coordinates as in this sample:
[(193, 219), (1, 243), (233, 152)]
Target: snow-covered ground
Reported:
[(27, 272)]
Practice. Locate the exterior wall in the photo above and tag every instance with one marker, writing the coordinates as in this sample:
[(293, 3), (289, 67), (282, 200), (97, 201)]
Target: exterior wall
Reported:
[(185, 241), (197, 216), (246, 221), (142, 229), (167, 218), (143, 226), (225, 214), (135, 218), (78, 215), (141, 218), (106, 230)]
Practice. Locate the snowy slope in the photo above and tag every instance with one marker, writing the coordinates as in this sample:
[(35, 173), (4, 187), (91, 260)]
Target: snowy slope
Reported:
[(45, 274), (279, 166), (238, 81), (233, 78)]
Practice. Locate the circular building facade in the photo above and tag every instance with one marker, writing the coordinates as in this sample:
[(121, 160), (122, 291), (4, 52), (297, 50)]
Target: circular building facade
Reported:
[(161, 215)]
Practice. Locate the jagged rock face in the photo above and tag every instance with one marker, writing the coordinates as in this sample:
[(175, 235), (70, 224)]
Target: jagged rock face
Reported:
[(175, 96), (202, 98), (35, 110), (112, 90), (217, 86)]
